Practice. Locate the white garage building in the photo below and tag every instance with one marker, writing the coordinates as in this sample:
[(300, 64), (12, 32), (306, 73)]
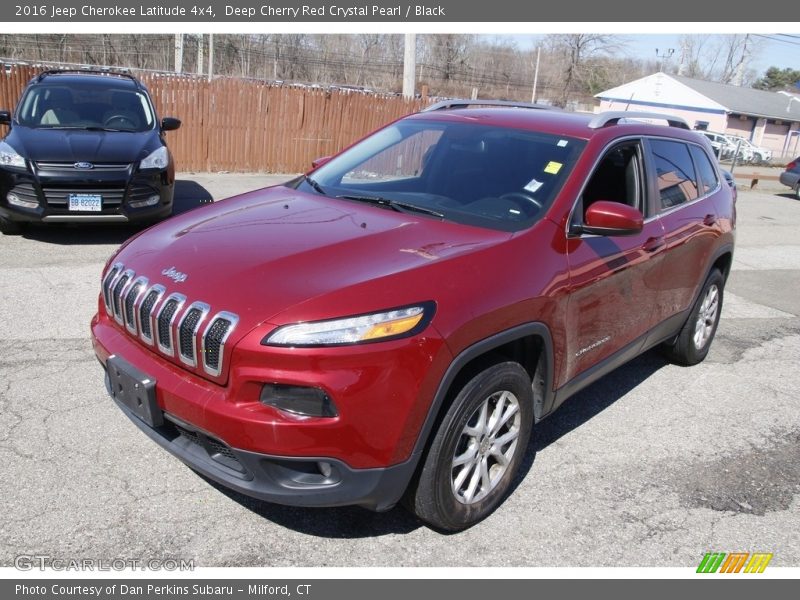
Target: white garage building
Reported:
[(767, 119)]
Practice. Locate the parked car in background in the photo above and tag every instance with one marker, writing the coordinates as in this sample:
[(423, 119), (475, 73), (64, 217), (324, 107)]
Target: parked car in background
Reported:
[(722, 146), (84, 146), (749, 152), (791, 176), (392, 325)]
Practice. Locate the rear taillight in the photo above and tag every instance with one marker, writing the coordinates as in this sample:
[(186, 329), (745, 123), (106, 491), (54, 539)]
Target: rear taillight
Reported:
[(791, 165)]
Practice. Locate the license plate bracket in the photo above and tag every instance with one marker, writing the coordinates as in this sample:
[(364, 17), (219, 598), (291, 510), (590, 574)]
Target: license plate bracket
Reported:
[(134, 389), (86, 202)]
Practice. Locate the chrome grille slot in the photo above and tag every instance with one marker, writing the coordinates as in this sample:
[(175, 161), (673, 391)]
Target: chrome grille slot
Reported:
[(165, 320), (108, 286), (187, 332), (131, 300), (117, 294), (152, 297), (214, 338)]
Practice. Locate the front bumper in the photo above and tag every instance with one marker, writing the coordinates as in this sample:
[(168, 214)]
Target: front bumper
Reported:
[(364, 456), (312, 482), (49, 191), (789, 178)]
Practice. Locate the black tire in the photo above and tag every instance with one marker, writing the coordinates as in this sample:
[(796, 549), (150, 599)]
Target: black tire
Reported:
[(433, 497), (695, 337), (10, 227), (797, 191)]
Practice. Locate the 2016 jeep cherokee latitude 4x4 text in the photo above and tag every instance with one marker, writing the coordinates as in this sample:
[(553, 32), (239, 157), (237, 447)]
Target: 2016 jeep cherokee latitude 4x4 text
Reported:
[(393, 324)]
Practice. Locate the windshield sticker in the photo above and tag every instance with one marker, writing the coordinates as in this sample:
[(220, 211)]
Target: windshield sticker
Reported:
[(553, 167), (533, 186), (562, 143)]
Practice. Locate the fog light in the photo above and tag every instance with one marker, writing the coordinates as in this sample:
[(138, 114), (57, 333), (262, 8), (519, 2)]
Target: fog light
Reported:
[(17, 201), (312, 402), (149, 201)]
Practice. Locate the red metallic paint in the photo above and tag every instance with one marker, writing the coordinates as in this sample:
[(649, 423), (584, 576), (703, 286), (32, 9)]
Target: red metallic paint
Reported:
[(278, 256)]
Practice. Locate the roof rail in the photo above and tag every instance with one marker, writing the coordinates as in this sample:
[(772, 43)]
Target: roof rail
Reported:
[(613, 117), (461, 103), (89, 71)]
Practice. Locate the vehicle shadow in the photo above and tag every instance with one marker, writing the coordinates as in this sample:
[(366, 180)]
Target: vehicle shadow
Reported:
[(188, 195), (353, 522), (788, 195)]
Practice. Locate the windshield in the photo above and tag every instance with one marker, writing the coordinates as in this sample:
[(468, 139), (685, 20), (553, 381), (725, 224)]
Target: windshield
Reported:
[(464, 172), (84, 107)]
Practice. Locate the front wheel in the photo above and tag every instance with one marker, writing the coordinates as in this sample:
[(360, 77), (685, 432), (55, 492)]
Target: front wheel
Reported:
[(477, 449), (694, 340)]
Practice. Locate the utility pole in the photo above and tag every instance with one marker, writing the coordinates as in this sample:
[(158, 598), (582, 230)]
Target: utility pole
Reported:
[(536, 74), (666, 55), (200, 54), (210, 56), (409, 62), (178, 52)]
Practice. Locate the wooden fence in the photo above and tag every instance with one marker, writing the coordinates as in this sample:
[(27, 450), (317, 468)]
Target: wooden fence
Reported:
[(249, 126)]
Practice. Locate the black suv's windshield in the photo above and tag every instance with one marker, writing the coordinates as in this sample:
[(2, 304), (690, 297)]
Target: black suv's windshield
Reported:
[(468, 173), (90, 106)]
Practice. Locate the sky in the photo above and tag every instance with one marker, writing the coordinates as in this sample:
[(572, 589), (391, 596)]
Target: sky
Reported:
[(779, 50)]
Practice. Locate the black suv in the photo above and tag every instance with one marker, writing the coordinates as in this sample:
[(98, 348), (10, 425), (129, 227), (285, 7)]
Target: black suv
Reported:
[(84, 146)]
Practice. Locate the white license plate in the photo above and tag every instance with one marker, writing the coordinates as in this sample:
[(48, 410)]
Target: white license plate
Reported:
[(86, 202)]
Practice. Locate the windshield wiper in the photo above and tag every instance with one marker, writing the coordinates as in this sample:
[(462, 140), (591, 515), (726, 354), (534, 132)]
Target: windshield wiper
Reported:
[(317, 187), (397, 205)]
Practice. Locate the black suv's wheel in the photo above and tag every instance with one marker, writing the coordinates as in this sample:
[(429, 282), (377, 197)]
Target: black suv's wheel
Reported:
[(695, 338), (477, 449), (797, 190), (10, 227)]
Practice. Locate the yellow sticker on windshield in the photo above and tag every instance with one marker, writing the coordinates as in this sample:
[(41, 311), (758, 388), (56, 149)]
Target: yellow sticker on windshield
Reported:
[(553, 167)]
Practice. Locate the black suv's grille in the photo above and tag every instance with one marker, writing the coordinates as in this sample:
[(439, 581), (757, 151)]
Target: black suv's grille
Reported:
[(70, 166), (59, 197), (187, 334)]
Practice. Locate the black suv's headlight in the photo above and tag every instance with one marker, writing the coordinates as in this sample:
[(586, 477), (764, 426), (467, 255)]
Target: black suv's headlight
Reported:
[(10, 157), (158, 159)]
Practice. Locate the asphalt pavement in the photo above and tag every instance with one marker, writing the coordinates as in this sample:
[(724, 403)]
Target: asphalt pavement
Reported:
[(654, 465)]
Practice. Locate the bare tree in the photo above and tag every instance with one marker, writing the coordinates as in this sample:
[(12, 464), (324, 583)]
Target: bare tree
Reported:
[(577, 52)]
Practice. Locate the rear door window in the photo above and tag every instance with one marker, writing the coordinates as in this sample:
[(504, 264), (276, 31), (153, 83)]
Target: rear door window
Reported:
[(677, 180), (708, 175)]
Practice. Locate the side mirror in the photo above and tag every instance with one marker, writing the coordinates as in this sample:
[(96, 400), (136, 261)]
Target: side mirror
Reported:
[(318, 162), (170, 124), (612, 218), (5, 117)]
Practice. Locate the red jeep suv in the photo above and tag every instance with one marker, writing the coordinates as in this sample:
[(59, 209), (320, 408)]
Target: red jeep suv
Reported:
[(392, 325)]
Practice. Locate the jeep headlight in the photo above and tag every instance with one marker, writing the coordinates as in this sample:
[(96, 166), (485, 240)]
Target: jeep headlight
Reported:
[(380, 326), (10, 157), (158, 159)]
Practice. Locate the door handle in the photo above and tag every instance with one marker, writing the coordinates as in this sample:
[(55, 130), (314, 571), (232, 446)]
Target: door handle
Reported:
[(710, 220), (654, 243)]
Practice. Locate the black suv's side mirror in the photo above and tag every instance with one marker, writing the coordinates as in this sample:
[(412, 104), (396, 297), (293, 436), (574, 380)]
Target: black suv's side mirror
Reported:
[(170, 124), (5, 117), (612, 218)]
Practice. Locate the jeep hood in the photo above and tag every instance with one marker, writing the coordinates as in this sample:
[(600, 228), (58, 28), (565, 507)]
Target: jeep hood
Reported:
[(258, 254)]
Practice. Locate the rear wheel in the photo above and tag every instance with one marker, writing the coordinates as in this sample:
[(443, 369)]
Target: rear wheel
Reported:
[(694, 340), (797, 190), (477, 449)]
